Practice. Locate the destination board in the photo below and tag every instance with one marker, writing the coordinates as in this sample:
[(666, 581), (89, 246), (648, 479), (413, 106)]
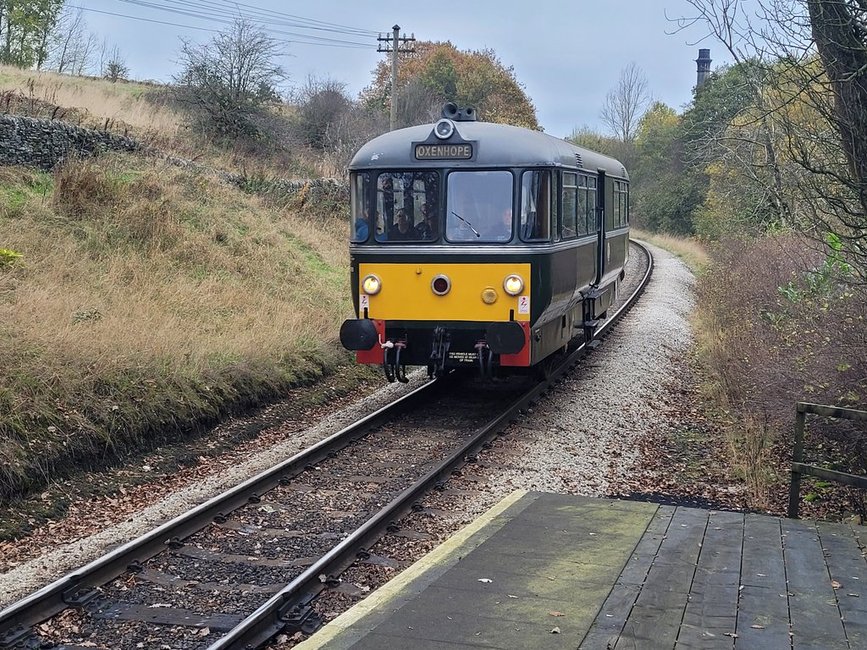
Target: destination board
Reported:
[(443, 151)]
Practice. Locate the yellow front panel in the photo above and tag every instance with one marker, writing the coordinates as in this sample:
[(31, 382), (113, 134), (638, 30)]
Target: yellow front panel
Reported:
[(406, 292)]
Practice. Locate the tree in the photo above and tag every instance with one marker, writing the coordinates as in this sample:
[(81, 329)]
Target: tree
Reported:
[(586, 137), (25, 29), (72, 45), (839, 30), (320, 103), (438, 72), (230, 77), (625, 104), (115, 68), (813, 182), (666, 188)]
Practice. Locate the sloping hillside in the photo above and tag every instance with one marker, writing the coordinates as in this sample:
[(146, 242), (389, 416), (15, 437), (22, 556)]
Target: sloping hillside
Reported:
[(150, 299)]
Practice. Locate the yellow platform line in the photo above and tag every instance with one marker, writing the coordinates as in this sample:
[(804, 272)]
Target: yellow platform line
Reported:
[(445, 555)]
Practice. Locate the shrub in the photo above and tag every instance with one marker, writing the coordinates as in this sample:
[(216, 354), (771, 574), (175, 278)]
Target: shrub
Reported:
[(777, 324)]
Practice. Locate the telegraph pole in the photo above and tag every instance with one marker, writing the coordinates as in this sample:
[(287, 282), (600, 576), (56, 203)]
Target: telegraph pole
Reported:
[(396, 44)]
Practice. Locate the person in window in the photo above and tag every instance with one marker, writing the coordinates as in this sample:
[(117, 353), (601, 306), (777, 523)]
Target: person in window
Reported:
[(401, 230), (427, 229), (500, 229), (362, 227)]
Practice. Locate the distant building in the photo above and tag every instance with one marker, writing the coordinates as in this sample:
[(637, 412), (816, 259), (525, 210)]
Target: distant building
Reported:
[(702, 66)]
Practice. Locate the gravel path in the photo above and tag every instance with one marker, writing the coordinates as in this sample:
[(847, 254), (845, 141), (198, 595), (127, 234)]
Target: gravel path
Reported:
[(582, 439)]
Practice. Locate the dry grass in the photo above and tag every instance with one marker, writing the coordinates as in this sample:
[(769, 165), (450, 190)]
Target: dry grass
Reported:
[(150, 298), (100, 99), (144, 112), (691, 251)]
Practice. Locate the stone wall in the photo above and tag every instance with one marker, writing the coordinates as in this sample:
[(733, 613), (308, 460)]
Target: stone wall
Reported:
[(44, 143)]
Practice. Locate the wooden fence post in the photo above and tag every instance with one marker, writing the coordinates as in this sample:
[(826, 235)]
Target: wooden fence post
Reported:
[(797, 457)]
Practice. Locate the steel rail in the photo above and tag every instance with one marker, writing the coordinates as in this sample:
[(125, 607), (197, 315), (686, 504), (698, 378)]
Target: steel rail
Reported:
[(272, 617), (77, 587)]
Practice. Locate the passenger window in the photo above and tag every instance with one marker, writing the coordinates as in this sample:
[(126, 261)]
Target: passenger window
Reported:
[(581, 223), (592, 225), (407, 207), (568, 227), (536, 205), (359, 200), (621, 202)]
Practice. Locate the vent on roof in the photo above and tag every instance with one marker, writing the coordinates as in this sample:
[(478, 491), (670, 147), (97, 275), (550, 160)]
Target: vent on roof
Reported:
[(579, 160)]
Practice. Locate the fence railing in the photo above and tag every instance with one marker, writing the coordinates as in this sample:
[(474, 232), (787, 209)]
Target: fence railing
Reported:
[(800, 468)]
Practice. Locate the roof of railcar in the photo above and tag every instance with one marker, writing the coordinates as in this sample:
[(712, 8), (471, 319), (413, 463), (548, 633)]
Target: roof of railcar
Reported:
[(497, 145)]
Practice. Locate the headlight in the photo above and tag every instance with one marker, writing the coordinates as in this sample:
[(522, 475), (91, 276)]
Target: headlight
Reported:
[(371, 285), (513, 284), (444, 129), (441, 285)]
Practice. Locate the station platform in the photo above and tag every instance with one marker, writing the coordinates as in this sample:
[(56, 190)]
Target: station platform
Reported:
[(556, 571)]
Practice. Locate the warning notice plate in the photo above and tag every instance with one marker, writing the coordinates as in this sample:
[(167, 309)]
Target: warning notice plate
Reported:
[(524, 305)]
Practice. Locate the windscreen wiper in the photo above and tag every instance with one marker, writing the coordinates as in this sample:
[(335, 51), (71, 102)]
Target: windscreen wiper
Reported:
[(476, 232)]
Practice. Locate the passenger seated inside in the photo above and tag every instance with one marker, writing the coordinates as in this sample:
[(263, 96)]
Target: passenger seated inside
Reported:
[(362, 227), (401, 230), (427, 228), (500, 228)]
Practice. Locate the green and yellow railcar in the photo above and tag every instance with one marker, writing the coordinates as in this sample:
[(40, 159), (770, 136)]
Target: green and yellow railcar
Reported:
[(480, 243)]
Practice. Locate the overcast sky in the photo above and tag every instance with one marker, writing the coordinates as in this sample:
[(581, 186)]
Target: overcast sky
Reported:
[(567, 53)]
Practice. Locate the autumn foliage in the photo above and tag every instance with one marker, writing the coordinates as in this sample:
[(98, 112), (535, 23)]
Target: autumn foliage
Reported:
[(468, 78)]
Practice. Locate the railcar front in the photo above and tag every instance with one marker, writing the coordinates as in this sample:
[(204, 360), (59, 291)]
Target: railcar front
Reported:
[(473, 244)]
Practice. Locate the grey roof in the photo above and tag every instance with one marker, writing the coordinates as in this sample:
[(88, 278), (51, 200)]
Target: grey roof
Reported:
[(497, 145)]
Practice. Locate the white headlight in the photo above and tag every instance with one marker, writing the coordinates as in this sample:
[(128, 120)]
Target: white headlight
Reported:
[(444, 129), (513, 284), (371, 285)]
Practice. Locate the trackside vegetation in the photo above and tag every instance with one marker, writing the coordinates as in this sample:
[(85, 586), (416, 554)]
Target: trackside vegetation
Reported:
[(142, 301)]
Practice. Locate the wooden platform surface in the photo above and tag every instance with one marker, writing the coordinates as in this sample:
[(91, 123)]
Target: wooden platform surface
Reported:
[(557, 571)]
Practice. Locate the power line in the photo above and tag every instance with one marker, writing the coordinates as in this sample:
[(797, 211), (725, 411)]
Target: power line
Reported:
[(312, 38), (299, 39), (232, 10), (307, 23)]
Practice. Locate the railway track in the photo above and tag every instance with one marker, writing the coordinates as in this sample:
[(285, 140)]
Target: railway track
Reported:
[(257, 556)]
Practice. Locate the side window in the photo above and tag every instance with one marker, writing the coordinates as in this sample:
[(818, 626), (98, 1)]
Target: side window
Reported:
[(581, 224), (359, 200), (592, 224), (621, 203), (568, 226), (536, 205)]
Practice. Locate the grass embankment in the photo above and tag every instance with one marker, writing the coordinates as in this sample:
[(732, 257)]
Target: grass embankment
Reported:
[(692, 252), (89, 102), (148, 113), (148, 300)]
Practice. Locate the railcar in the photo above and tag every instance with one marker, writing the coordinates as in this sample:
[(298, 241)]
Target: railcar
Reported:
[(483, 244)]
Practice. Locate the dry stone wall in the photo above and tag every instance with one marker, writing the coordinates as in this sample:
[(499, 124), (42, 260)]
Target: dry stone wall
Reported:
[(44, 143)]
